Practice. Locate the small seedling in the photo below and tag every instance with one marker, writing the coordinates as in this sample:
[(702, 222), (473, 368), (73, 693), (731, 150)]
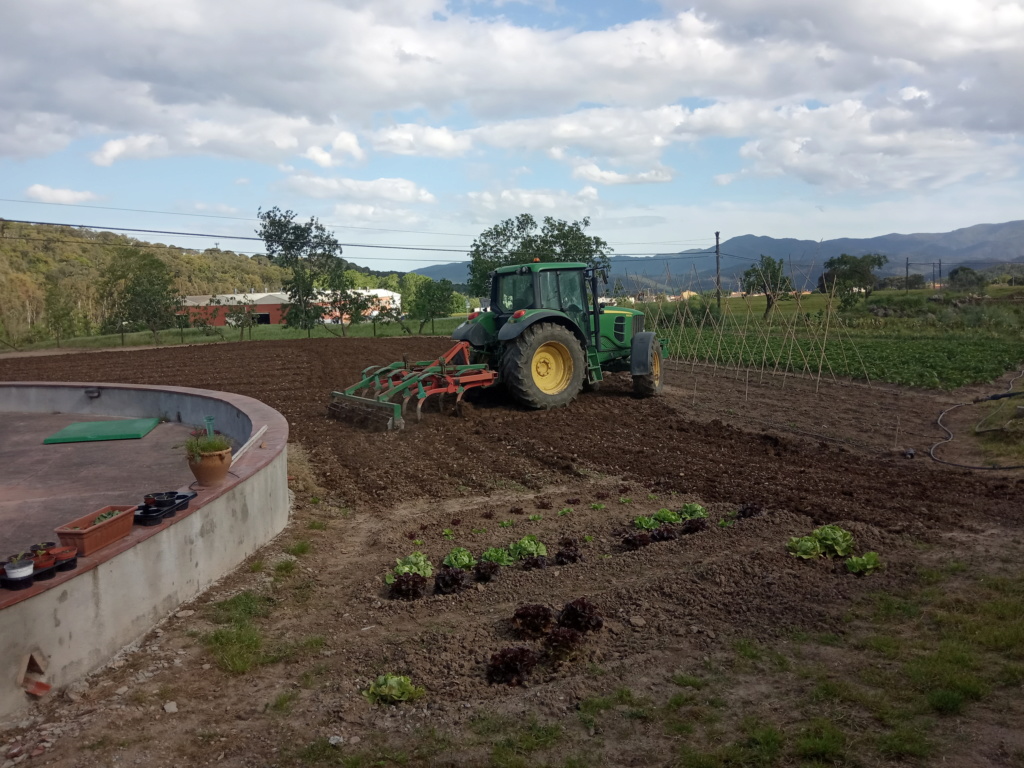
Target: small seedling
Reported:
[(506, 524), (392, 689), (535, 518), (418, 542), (652, 497), (598, 505), (479, 530), (564, 511), (314, 499), (448, 533), (625, 500), (724, 523), (317, 525), (588, 538)]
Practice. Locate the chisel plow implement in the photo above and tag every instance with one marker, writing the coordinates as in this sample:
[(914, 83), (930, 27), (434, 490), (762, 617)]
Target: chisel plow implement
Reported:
[(385, 393)]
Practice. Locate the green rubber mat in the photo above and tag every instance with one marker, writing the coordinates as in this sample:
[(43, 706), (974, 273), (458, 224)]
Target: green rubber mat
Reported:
[(89, 431)]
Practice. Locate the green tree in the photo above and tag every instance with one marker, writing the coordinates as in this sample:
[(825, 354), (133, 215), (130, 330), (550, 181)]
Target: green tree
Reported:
[(140, 293), (433, 300), (847, 275), (966, 279), (309, 251), (343, 298), (242, 315), (767, 276), (60, 312), (409, 285), (520, 241)]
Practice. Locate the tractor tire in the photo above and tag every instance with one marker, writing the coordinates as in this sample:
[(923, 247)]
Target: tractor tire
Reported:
[(544, 367), (650, 384)]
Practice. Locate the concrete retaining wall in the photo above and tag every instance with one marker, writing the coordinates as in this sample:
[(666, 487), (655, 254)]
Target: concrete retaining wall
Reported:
[(81, 620)]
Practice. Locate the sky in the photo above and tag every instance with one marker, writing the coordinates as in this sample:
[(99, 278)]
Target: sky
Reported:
[(410, 126)]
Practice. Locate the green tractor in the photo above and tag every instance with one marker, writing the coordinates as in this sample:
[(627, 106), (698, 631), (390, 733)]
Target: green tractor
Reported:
[(544, 337)]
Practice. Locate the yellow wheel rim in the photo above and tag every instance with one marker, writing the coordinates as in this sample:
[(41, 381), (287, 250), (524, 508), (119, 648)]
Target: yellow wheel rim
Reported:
[(656, 368), (552, 368)]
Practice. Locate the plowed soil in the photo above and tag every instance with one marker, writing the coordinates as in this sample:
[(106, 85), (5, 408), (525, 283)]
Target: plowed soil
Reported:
[(811, 452)]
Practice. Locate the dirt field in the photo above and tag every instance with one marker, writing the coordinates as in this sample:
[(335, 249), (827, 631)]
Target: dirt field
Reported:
[(718, 648)]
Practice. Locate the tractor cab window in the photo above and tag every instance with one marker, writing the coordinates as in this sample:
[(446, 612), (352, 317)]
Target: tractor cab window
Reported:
[(570, 285), (515, 291), (548, 283)]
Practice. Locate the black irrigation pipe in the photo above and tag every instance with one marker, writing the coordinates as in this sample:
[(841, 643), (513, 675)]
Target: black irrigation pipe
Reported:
[(949, 433)]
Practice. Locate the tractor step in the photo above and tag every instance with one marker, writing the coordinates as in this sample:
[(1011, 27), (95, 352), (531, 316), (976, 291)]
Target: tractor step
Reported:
[(384, 392)]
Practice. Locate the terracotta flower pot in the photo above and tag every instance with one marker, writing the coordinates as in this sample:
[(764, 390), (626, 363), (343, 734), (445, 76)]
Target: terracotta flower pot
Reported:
[(211, 468), (43, 560), (61, 554)]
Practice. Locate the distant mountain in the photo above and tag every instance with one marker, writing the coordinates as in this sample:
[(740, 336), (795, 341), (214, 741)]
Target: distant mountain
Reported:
[(979, 246)]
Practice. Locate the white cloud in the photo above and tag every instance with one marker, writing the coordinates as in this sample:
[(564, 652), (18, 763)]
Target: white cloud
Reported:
[(411, 139), (591, 172), (144, 146), (394, 190), (508, 202), (45, 194)]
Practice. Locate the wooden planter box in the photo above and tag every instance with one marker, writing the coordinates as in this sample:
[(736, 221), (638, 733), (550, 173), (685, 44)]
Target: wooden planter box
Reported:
[(89, 538)]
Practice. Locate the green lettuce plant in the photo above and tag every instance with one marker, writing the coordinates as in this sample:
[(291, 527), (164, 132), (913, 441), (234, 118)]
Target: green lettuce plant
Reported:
[(646, 523), (835, 541), (668, 516), (497, 555), (417, 562), (460, 557), (865, 564), (392, 689), (692, 511), (528, 546), (804, 547)]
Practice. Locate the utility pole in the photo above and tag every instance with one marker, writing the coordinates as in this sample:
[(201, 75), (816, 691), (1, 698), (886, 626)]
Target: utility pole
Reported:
[(940, 273), (933, 276), (718, 271), (906, 285)]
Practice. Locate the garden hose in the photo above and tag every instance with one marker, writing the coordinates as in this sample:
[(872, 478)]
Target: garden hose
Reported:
[(949, 434)]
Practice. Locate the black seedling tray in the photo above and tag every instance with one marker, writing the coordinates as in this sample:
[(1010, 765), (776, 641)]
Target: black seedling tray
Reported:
[(44, 574), (149, 515), (66, 565), (16, 584)]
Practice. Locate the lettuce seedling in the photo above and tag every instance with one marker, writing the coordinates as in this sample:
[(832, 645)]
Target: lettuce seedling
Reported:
[(533, 620), (692, 511), (528, 546), (598, 505), (645, 523), (865, 564), (804, 547), (581, 615), (511, 666), (460, 557), (392, 689), (408, 586), (450, 580), (667, 516), (834, 540), (486, 571), (497, 555), (417, 563)]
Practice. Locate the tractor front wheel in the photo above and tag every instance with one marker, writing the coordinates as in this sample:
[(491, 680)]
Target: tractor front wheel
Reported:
[(544, 366), (650, 384)]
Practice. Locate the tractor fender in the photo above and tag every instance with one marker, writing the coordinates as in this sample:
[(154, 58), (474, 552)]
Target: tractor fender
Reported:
[(512, 330), (475, 333), (640, 353)]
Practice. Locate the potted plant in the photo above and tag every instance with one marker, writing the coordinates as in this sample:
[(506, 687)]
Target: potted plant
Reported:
[(19, 566), (64, 557), (41, 556), (97, 529), (209, 456)]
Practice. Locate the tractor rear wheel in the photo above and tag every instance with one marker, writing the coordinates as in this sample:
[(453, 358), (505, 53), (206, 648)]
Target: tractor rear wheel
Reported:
[(650, 384), (544, 366)]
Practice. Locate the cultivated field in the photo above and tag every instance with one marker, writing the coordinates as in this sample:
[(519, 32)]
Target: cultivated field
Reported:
[(718, 648)]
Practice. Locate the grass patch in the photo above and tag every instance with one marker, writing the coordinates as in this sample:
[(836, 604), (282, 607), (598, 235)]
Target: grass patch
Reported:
[(242, 608), (298, 549), (904, 742), (688, 681), (284, 568), (236, 649), (282, 703), (511, 751), (821, 740), (317, 525)]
